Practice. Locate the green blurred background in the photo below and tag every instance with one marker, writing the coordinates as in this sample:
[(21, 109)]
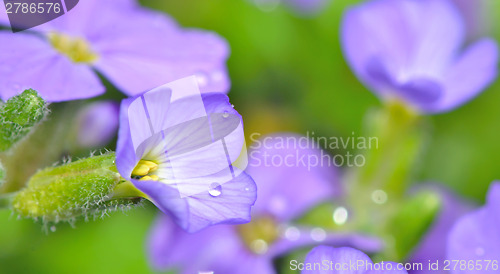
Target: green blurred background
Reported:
[(288, 74)]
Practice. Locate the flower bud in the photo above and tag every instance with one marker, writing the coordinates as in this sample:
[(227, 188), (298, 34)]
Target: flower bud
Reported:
[(18, 116)]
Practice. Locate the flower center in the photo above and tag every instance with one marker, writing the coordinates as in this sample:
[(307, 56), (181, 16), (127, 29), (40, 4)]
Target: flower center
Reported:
[(76, 49), (143, 170), (259, 234)]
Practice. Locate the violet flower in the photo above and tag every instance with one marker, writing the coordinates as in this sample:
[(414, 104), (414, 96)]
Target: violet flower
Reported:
[(476, 237), (97, 124), (284, 193), (345, 260), (183, 151), (411, 51), (133, 47)]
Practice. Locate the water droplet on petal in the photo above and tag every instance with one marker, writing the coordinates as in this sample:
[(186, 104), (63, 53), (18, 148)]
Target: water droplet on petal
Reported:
[(259, 246), (215, 189), (247, 189), (318, 234), (53, 228), (225, 114), (292, 233), (232, 105)]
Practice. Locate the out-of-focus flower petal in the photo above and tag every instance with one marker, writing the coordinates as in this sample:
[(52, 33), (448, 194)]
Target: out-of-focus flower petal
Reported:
[(159, 52), (28, 61), (308, 237), (97, 123), (409, 50), (475, 236), (4, 18), (469, 75), (378, 29), (217, 249), (432, 246), (344, 260), (337, 255), (230, 206), (290, 186)]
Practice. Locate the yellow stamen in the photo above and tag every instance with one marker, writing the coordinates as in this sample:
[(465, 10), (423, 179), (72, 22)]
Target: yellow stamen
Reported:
[(149, 178), (144, 167), (76, 49)]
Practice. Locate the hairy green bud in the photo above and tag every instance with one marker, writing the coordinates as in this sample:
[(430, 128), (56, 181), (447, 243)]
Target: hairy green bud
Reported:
[(81, 188), (18, 116)]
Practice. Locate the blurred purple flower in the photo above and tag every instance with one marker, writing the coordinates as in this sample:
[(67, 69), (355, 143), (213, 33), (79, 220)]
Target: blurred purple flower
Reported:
[(432, 246), (346, 260), (97, 124), (135, 48), (476, 236), (284, 193), (411, 51), (477, 22), (180, 148)]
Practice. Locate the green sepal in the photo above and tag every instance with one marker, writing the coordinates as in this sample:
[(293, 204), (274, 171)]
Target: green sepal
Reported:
[(81, 188), (407, 226), (18, 116)]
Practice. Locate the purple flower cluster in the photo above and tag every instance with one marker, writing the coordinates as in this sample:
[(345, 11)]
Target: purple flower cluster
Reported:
[(284, 194)]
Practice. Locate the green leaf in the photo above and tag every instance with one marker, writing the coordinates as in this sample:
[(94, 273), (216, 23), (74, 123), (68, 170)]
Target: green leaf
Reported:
[(18, 116), (409, 224)]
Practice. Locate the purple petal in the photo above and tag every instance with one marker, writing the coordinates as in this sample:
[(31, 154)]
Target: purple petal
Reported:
[(493, 199), (432, 246), (440, 31), (159, 52), (469, 75), (388, 268), (289, 186), (299, 237), (378, 29), (4, 18), (126, 156), (217, 249), (421, 91), (98, 123), (193, 213), (342, 255), (475, 236), (26, 61)]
